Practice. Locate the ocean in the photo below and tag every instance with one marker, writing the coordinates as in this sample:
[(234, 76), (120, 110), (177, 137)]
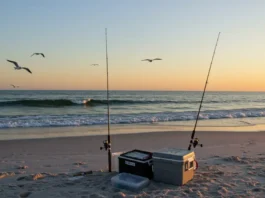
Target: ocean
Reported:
[(25, 109)]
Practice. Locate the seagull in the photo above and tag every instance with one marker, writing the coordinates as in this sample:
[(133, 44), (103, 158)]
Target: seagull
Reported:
[(17, 67), (150, 60), (38, 54), (95, 64), (14, 86)]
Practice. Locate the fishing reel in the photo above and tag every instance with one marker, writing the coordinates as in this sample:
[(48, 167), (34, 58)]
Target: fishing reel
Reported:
[(106, 145), (194, 143)]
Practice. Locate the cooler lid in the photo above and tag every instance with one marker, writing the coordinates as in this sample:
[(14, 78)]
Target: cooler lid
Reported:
[(173, 153), (137, 154)]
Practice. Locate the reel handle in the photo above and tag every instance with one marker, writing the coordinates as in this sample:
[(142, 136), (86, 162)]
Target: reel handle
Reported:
[(105, 146), (194, 143)]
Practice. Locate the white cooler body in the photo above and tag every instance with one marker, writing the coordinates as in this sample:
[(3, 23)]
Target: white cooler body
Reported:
[(115, 161), (173, 166)]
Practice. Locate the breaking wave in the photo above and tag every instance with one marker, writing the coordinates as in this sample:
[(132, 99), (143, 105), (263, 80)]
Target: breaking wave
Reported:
[(101, 119), (92, 102)]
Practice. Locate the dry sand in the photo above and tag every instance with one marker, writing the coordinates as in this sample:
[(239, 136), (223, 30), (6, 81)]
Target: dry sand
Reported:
[(231, 164)]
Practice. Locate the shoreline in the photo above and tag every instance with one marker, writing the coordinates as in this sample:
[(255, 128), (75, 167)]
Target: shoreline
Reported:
[(73, 132), (186, 133), (225, 125)]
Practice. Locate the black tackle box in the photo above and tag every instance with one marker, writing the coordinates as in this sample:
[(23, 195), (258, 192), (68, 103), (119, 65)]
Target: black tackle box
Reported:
[(136, 162)]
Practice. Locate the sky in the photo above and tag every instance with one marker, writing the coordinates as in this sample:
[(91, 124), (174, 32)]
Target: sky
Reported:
[(183, 33)]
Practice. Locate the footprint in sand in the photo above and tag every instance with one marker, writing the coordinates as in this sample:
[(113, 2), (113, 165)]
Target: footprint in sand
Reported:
[(22, 167), (79, 163), (251, 142)]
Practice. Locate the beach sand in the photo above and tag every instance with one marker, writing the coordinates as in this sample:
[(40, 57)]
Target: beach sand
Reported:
[(231, 164)]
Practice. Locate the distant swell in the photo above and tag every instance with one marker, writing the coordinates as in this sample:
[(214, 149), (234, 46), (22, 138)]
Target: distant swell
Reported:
[(65, 102), (132, 102), (38, 103), (92, 102)]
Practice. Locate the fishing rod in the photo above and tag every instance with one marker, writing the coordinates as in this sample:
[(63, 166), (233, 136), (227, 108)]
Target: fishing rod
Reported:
[(195, 142), (106, 143)]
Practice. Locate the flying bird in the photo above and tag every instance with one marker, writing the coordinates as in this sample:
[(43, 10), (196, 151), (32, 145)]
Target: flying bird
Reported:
[(38, 54), (17, 67), (151, 60), (95, 64), (14, 86)]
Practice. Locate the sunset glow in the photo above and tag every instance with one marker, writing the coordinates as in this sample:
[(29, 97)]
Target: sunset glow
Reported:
[(71, 35)]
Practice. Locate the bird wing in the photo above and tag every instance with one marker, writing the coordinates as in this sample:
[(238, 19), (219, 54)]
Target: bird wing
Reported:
[(32, 54), (26, 69), (43, 55), (147, 60), (14, 62), (157, 59), (12, 85)]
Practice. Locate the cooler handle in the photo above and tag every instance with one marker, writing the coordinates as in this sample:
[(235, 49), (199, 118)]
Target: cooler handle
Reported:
[(150, 163)]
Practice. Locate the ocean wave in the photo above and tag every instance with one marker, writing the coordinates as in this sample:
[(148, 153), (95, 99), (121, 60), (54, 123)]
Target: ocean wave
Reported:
[(39, 103), (86, 120), (94, 102)]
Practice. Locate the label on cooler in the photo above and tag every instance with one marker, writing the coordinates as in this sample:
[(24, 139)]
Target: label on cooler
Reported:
[(130, 163)]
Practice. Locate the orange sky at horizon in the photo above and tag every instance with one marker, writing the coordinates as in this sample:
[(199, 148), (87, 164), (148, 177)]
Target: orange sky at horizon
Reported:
[(147, 80), (232, 70)]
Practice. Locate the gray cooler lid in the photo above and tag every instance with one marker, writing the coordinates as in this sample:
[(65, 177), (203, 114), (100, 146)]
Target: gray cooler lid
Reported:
[(172, 153)]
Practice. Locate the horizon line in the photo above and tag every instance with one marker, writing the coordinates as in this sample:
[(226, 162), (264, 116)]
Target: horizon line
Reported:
[(126, 90)]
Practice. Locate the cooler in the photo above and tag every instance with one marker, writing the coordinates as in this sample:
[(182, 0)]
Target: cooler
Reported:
[(115, 161), (136, 162), (173, 166)]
